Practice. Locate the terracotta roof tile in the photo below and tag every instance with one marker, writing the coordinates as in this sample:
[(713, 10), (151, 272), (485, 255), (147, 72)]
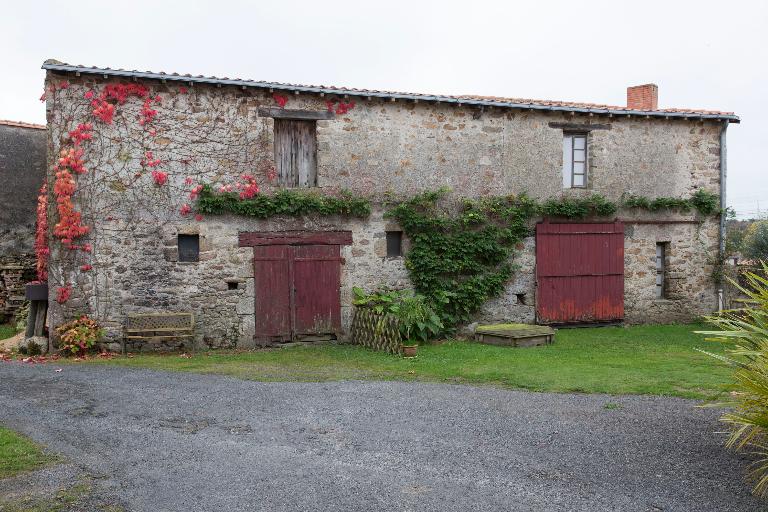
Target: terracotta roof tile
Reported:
[(21, 124)]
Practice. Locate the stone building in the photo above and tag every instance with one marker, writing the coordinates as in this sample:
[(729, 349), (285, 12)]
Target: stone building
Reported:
[(22, 172), (156, 136)]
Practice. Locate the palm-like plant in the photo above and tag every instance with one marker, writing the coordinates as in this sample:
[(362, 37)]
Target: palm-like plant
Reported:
[(747, 331)]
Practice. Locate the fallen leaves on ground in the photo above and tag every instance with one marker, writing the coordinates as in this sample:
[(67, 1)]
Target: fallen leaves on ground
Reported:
[(40, 359), (11, 356)]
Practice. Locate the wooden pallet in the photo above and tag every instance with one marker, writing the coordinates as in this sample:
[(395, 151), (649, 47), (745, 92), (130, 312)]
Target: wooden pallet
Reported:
[(514, 335)]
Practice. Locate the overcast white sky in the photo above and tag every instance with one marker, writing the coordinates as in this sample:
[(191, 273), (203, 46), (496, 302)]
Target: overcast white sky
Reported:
[(702, 54)]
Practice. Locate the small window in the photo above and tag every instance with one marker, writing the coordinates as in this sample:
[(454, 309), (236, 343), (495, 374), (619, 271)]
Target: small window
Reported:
[(394, 244), (661, 270), (574, 160), (296, 152), (189, 247)]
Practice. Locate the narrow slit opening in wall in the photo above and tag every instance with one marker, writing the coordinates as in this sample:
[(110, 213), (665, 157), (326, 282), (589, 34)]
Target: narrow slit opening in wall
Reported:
[(189, 247), (394, 244), (662, 250), (232, 285), (521, 298)]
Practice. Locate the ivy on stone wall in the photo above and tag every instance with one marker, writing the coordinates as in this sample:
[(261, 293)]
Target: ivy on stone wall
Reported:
[(459, 260), (293, 202), (578, 207), (702, 201)]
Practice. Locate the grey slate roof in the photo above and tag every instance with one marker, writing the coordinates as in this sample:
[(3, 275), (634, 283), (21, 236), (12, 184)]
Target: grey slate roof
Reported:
[(483, 101)]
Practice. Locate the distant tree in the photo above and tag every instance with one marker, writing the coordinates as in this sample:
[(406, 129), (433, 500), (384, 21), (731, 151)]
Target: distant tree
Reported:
[(734, 240), (755, 242)]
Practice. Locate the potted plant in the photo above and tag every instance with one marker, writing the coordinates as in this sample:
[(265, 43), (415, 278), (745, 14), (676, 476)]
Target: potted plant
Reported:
[(418, 322)]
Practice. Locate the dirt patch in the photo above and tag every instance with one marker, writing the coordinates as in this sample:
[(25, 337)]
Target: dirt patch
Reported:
[(65, 487), (11, 343)]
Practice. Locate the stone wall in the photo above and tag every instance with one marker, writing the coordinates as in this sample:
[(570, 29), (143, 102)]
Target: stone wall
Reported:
[(156, 281), (691, 257), (22, 172), (379, 148)]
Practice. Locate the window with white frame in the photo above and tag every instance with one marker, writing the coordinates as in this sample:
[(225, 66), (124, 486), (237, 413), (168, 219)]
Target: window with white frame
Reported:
[(574, 160)]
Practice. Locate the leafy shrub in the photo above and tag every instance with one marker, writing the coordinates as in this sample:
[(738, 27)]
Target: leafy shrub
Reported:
[(417, 320), (746, 331), (755, 243), (381, 300), (30, 349), (80, 335)]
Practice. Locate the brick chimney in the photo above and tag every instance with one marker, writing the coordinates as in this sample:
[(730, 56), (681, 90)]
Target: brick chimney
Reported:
[(643, 97)]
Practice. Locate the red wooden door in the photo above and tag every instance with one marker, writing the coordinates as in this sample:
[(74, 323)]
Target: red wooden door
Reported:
[(316, 277), (579, 272), (272, 287), (296, 291)]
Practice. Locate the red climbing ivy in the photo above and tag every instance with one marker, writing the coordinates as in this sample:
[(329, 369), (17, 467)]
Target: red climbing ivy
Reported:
[(103, 105), (63, 293), (82, 133), (70, 226), (147, 112), (280, 100), (118, 94), (42, 251), (339, 107), (248, 187), (159, 177)]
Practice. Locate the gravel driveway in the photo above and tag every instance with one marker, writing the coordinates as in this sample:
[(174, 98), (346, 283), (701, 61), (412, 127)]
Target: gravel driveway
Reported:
[(170, 441)]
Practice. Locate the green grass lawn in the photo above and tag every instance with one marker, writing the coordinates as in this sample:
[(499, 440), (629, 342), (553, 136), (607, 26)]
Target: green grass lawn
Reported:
[(7, 330), (18, 454), (655, 360)]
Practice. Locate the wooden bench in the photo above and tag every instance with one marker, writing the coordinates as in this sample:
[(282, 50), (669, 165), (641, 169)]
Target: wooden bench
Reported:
[(515, 335), (155, 327)]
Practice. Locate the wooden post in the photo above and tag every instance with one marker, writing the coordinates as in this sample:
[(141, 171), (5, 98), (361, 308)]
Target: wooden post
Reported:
[(41, 310), (31, 319)]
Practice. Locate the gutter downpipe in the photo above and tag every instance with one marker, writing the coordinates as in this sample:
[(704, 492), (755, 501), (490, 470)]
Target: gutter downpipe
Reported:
[(723, 176)]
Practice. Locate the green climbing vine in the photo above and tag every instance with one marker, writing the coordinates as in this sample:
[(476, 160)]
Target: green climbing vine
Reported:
[(283, 202), (458, 260), (702, 201), (578, 207)]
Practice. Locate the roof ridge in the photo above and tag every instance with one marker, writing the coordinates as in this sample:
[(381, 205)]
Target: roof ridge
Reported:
[(21, 124)]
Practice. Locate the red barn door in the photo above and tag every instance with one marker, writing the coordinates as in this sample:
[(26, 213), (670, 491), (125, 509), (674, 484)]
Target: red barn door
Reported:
[(316, 276), (579, 272), (296, 291), (272, 287)]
